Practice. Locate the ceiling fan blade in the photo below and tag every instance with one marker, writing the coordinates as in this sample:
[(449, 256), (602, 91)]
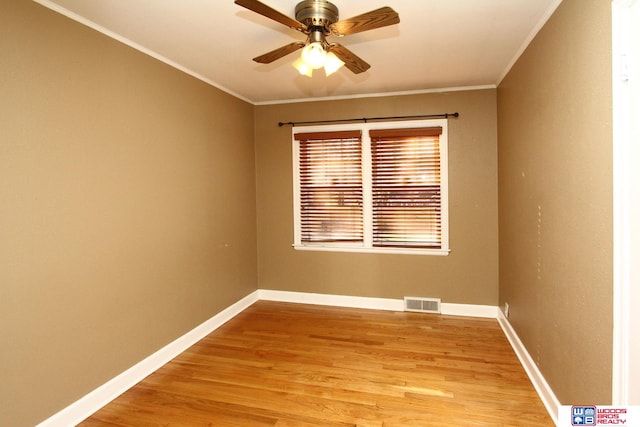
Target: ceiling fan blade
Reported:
[(269, 57), (264, 10), (365, 22), (353, 62)]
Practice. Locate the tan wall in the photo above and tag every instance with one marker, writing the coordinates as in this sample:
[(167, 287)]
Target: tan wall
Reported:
[(127, 208), (468, 275), (555, 180)]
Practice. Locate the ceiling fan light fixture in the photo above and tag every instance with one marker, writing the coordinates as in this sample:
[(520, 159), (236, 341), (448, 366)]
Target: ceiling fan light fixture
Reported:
[(314, 55), (332, 64)]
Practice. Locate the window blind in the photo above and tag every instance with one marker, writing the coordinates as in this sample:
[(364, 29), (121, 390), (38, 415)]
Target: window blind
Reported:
[(406, 193), (330, 183)]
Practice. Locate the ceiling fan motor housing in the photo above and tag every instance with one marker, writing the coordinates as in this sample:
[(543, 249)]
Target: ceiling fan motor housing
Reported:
[(317, 13)]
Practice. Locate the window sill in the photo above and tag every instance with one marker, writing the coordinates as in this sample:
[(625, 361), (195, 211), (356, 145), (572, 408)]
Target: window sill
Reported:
[(360, 249)]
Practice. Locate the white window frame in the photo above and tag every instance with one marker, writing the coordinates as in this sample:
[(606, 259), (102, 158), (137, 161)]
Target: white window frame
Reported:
[(367, 245)]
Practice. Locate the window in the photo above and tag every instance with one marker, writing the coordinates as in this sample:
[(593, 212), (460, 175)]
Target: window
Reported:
[(372, 187)]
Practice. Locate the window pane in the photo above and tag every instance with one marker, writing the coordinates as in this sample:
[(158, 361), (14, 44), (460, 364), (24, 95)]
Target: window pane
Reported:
[(406, 191), (331, 189)]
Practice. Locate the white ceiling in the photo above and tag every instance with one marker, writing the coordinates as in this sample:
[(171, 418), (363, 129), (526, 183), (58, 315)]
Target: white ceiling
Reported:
[(438, 43)]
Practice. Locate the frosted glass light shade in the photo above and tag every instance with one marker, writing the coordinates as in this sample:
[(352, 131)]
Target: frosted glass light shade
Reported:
[(314, 55), (302, 67), (332, 64)]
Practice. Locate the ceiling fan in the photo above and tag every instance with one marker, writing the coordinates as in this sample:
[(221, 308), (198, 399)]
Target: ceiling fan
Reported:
[(319, 19)]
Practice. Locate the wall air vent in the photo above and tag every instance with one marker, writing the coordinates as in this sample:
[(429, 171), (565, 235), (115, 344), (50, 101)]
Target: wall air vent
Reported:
[(422, 305)]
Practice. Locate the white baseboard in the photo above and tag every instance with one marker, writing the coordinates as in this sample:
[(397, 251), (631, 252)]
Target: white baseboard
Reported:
[(549, 399), (87, 405), (373, 303), (470, 310), (90, 403), (332, 300)]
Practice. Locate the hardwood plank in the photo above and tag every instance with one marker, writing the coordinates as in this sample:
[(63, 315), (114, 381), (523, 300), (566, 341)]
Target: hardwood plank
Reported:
[(281, 364)]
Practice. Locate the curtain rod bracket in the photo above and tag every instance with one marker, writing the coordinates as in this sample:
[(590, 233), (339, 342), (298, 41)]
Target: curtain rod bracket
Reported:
[(369, 119)]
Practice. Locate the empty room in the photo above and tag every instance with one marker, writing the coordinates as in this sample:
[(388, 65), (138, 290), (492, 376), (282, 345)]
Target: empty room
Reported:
[(433, 230)]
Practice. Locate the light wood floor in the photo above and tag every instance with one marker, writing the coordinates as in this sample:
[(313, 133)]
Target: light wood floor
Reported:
[(279, 364)]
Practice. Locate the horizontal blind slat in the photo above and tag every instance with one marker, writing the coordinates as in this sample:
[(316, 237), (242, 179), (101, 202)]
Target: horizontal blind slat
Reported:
[(355, 134), (395, 134)]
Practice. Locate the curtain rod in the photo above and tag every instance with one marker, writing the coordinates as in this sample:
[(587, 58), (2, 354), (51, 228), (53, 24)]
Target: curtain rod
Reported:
[(373, 119)]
